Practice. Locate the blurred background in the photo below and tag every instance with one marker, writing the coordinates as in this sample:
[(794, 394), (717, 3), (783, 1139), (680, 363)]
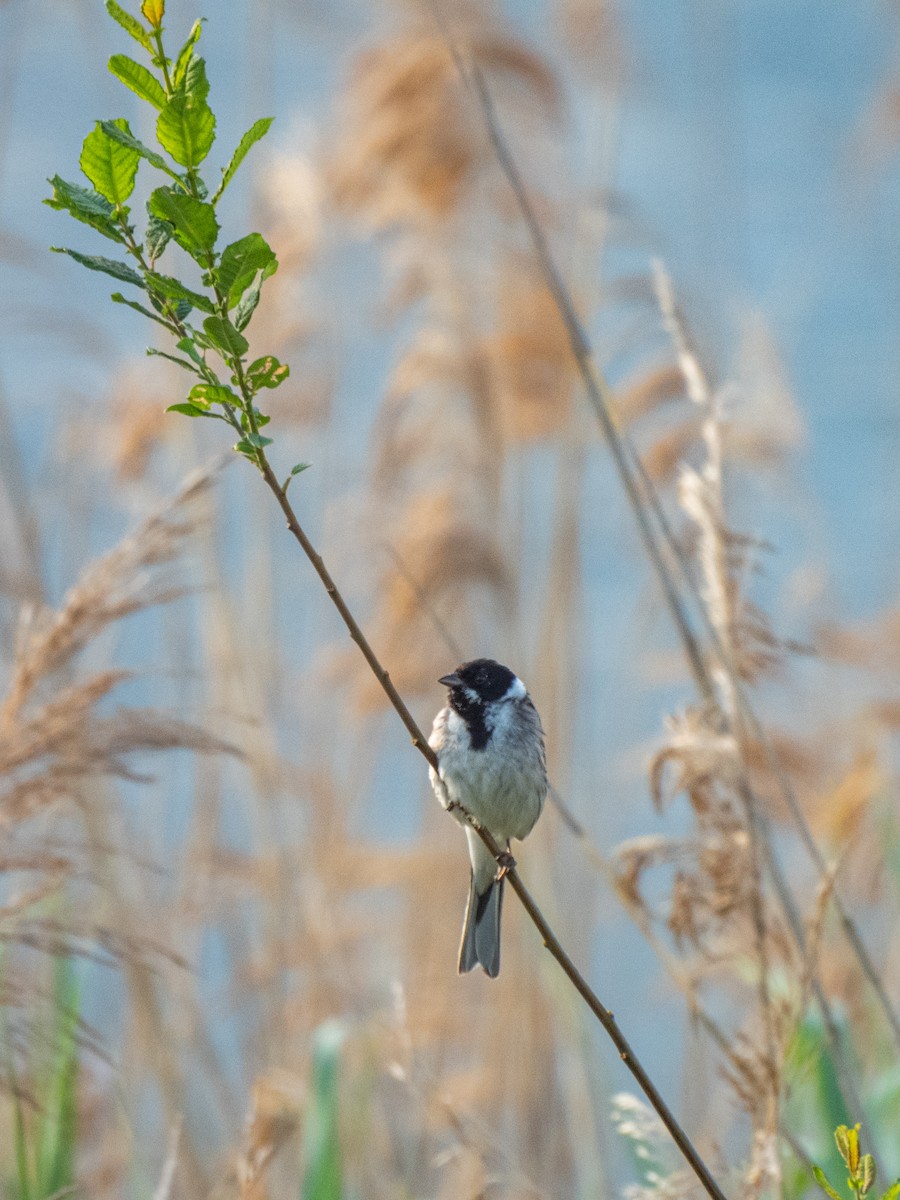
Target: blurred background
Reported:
[(230, 905)]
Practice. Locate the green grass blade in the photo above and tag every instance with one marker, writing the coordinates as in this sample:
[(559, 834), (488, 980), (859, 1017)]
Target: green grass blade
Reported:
[(23, 1171), (58, 1122), (323, 1179)]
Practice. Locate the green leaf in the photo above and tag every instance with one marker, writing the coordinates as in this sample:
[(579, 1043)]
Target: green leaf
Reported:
[(258, 441), (267, 372), (186, 53), (247, 306), (189, 410), (152, 352), (295, 470), (186, 127), (156, 160), (110, 166), (225, 337), (186, 344), (257, 130), (213, 393), (130, 24), (85, 205), (194, 224), (893, 1191), (138, 78), (823, 1183), (109, 266), (240, 263), (246, 448), (260, 418), (323, 1177), (173, 289), (195, 84), (159, 234), (118, 298)]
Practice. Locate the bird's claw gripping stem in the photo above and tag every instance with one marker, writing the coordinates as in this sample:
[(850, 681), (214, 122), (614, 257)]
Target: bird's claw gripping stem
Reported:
[(505, 863)]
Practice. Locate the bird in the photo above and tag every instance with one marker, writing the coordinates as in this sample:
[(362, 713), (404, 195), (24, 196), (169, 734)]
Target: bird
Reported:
[(489, 745)]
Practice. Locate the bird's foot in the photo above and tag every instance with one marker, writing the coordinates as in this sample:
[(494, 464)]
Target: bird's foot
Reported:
[(505, 863)]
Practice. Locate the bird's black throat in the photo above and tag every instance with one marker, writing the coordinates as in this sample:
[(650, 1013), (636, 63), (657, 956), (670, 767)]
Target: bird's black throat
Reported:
[(471, 709)]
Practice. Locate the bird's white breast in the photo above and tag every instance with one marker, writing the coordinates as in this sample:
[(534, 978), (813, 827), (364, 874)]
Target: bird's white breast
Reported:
[(504, 784)]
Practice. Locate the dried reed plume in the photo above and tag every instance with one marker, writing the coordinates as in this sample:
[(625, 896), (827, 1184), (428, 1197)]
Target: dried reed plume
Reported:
[(60, 741)]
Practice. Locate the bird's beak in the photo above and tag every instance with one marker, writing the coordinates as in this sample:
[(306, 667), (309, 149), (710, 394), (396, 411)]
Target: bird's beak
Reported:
[(451, 681)]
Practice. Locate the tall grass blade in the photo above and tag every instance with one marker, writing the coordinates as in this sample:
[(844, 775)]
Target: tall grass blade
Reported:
[(323, 1178)]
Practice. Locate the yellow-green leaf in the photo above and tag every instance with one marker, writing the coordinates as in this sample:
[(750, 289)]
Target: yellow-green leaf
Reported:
[(110, 166), (130, 24), (187, 129), (137, 77), (154, 11)]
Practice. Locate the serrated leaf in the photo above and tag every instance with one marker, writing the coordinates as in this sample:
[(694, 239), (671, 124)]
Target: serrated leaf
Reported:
[(153, 12), (194, 224), (189, 410), (213, 393), (186, 53), (186, 127), (239, 264), (267, 372), (225, 337), (195, 84), (108, 266), (823, 1183), (110, 166), (139, 79), (118, 298), (86, 206), (173, 289), (257, 130), (156, 160), (130, 24), (247, 306), (159, 234)]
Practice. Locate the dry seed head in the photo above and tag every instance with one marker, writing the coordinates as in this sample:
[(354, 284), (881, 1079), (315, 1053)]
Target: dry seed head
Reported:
[(701, 756), (530, 357), (411, 142), (275, 1111), (652, 388), (110, 588)]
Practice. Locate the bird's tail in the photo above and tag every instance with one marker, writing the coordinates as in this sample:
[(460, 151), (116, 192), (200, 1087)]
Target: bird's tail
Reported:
[(480, 943)]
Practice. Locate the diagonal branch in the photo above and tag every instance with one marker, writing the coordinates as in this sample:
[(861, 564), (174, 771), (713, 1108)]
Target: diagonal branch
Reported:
[(548, 937)]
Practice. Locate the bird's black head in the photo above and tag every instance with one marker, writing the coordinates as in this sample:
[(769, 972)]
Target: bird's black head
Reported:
[(475, 685), (480, 680)]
